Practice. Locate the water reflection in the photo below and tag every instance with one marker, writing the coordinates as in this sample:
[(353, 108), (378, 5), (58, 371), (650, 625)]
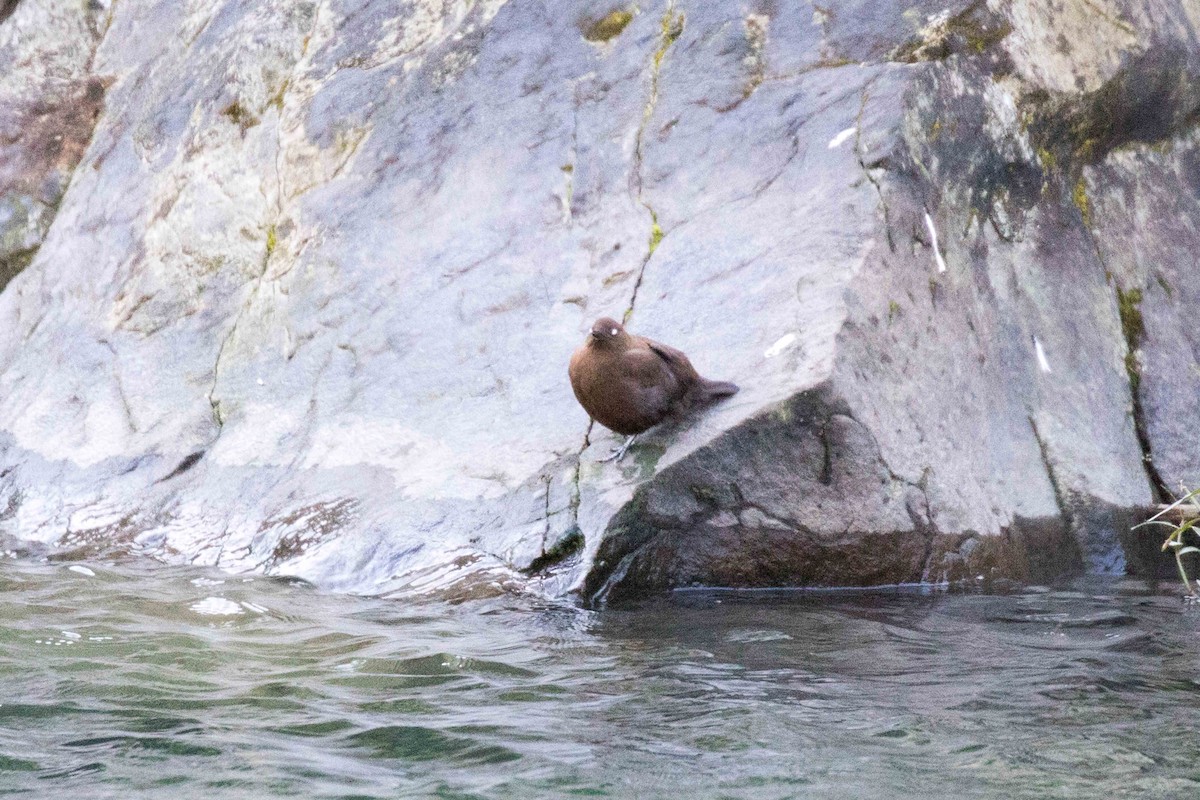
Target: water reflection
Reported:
[(139, 678)]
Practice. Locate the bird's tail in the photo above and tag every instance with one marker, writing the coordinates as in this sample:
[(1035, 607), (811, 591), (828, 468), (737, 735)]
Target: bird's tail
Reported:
[(715, 390)]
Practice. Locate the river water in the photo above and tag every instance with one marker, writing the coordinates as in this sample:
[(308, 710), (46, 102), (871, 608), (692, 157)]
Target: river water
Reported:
[(136, 679)]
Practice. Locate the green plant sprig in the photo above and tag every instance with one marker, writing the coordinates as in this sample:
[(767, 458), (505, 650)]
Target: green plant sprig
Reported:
[(1175, 541)]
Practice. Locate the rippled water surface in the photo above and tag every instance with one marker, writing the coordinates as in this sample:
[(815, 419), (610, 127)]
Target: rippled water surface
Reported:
[(136, 679)]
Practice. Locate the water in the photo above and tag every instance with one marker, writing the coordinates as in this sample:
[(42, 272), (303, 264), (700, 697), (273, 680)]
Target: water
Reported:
[(141, 680)]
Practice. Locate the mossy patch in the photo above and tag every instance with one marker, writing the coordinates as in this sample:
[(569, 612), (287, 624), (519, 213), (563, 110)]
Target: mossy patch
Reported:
[(656, 235), (672, 29), (646, 457), (672, 26), (1080, 197), (277, 98), (608, 27), (1133, 328), (570, 544), (1149, 101), (971, 32), (12, 264), (756, 42), (240, 116), (272, 240)]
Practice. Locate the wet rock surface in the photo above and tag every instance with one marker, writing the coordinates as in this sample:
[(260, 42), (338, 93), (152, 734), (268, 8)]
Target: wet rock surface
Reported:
[(296, 290)]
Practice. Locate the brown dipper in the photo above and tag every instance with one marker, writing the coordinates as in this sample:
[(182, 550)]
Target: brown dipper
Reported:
[(630, 383)]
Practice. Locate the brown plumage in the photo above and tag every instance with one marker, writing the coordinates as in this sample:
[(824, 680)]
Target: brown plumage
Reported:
[(630, 383)]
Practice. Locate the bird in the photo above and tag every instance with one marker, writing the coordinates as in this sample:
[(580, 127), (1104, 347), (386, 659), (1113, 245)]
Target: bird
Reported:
[(630, 383)]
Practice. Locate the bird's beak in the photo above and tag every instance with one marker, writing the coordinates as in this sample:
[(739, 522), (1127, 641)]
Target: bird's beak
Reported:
[(596, 334)]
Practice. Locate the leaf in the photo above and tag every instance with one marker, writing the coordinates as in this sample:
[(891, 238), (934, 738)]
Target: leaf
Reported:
[(1187, 526), (1153, 522), (1176, 504)]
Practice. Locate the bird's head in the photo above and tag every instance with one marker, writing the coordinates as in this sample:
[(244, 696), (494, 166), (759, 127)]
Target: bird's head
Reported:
[(605, 330)]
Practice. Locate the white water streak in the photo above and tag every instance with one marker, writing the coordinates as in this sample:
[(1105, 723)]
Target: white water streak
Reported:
[(937, 250), (1041, 355), (841, 138)]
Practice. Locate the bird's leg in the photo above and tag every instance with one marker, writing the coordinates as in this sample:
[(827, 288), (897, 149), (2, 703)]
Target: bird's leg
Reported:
[(617, 452)]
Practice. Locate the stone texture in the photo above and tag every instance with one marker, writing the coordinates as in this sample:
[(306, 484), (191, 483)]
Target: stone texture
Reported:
[(50, 101), (302, 280)]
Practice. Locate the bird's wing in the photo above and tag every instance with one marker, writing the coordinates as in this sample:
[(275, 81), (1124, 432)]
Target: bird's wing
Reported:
[(676, 361), (646, 368), (650, 380)]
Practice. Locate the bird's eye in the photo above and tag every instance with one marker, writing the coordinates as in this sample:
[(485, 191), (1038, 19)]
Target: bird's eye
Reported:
[(613, 332)]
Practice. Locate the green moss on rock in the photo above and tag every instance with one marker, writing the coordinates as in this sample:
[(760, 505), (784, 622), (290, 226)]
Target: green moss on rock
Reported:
[(1133, 327), (238, 114), (672, 29), (1080, 197), (570, 544), (656, 236), (970, 33), (608, 27), (11, 264)]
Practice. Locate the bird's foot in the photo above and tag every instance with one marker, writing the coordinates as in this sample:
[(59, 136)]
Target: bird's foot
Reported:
[(618, 452)]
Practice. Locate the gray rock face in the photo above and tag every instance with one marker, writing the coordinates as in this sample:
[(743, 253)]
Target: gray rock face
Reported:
[(296, 289), (50, 101)]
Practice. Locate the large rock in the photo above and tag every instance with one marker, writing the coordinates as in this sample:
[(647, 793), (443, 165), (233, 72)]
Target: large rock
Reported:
[(307, 302)]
